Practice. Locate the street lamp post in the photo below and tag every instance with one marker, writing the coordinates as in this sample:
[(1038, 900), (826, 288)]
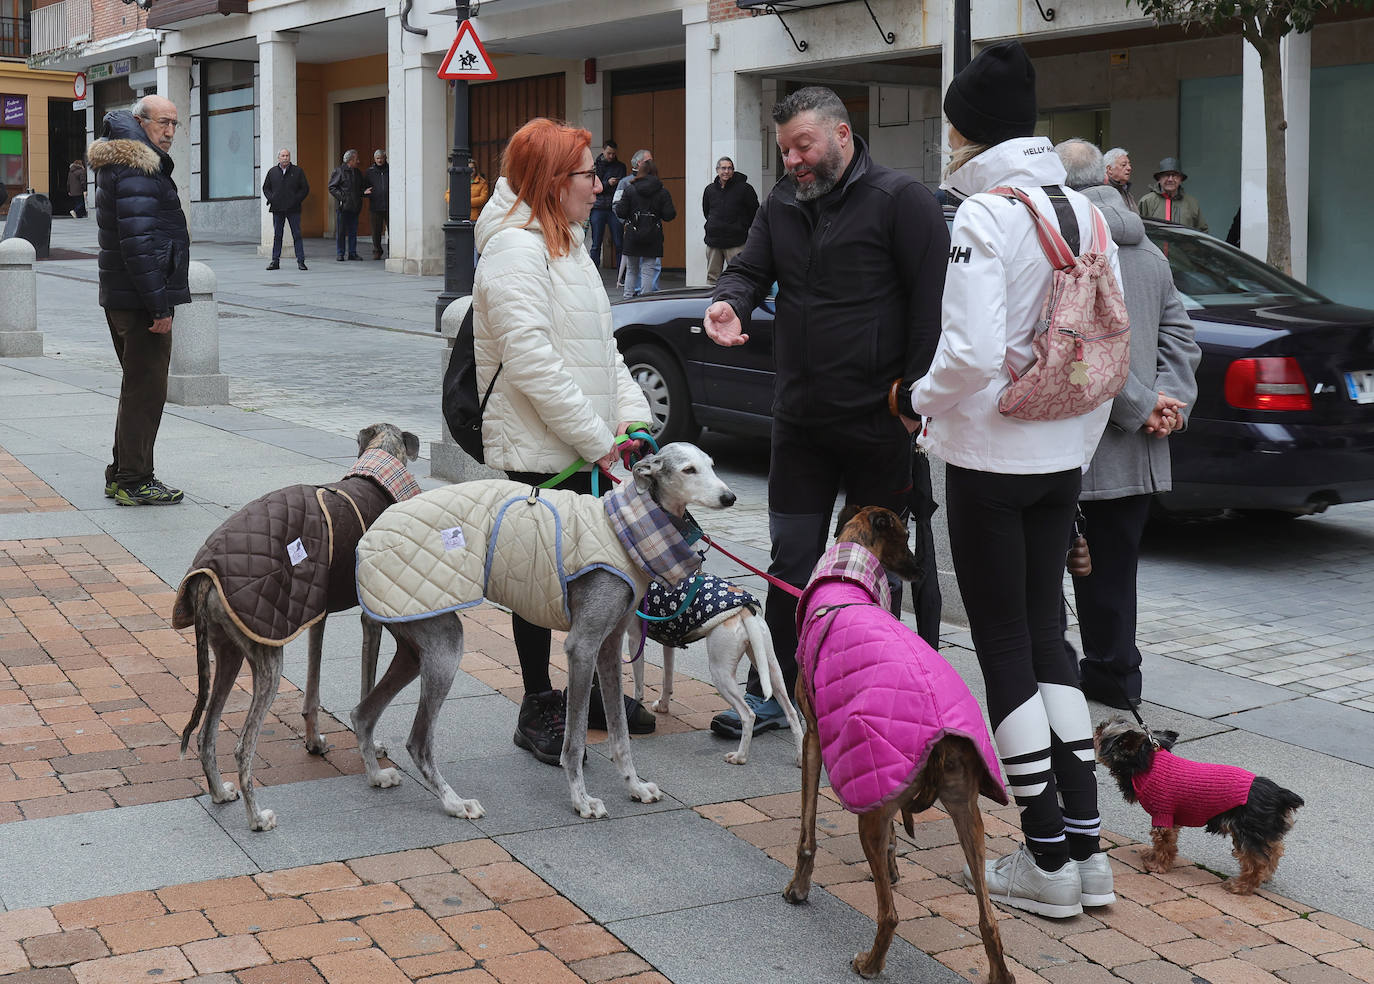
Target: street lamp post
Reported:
[(458, 230)]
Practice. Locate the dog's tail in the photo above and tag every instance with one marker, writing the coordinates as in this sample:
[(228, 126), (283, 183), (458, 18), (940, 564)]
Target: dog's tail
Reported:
[(198, 593), (760, 651)]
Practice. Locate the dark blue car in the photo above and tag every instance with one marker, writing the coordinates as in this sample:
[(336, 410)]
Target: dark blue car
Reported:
[(1283, 424)]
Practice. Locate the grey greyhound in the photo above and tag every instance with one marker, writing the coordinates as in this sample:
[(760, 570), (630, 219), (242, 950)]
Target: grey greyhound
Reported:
[(282, 563), (600, 609)]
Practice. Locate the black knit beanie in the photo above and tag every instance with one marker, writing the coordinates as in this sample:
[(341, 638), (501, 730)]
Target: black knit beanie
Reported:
[(993, 98)]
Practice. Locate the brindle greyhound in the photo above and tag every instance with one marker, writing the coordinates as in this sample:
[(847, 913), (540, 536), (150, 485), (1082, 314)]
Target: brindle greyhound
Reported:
[(953, 774), (216, 626)]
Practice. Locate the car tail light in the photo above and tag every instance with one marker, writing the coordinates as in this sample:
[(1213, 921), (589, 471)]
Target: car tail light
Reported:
[(1267, 384)]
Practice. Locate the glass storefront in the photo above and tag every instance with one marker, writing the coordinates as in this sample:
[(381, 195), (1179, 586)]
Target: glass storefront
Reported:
[(227, 156)]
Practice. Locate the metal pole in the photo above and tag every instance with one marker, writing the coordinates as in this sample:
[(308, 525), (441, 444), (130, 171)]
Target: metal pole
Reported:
[(963, 41), (458, 230)]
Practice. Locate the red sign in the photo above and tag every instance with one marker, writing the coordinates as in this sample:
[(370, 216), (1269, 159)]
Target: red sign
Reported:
[(467, 59)]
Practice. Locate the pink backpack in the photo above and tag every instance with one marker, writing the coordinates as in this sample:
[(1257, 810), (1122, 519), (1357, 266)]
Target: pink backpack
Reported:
[(1082, 342)]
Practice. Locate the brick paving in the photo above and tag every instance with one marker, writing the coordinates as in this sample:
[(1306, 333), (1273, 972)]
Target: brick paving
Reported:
[(21, 491), (1181, 927), (463, 913)]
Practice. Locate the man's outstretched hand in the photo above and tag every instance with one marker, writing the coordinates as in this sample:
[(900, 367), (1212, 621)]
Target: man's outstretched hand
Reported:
[(722, 325)]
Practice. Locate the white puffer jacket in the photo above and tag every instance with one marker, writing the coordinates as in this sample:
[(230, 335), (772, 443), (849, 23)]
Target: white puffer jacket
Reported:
[(994, 290), (547, 321)]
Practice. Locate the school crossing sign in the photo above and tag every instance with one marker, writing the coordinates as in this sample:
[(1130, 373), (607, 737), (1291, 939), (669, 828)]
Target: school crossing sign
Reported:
[(467, 59)]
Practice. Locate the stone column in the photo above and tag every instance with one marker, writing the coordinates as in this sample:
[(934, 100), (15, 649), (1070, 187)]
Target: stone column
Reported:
[(700, 163), (174, 83), (418, 112), (1295, 55), (276, 111), (193, 377), (1297, 100), (446, 459), (19, 334)]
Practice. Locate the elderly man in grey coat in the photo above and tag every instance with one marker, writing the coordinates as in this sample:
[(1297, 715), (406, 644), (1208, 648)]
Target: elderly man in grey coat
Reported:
[(1132, 460)]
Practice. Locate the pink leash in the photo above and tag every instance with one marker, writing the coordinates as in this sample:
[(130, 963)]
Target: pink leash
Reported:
[(777, 583)]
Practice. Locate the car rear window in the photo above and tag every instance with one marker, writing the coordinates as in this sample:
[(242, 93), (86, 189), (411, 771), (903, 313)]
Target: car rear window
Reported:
[(1208, 273)]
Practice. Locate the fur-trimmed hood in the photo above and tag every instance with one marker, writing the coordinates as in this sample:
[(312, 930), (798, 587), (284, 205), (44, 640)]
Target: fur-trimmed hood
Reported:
[(123, 142)]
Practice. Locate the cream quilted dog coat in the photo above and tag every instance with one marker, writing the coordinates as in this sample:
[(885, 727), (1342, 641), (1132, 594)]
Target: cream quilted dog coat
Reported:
[(453, 547)]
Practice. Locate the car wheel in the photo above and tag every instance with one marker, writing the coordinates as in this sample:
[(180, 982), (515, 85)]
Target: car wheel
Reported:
[(665, 387)]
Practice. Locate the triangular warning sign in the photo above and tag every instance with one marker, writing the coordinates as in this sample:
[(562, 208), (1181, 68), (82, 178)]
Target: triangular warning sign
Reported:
[(467, 59)]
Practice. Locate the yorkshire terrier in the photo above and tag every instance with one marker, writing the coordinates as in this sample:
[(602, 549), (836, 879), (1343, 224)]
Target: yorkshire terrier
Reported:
[(1225, 799)]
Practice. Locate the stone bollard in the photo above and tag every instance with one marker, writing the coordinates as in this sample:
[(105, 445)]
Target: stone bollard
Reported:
[(19, 334), (193, 378), (446, 459)]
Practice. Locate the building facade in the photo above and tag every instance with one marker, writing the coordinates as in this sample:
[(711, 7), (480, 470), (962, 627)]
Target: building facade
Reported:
[(694, 81), (39, 133)]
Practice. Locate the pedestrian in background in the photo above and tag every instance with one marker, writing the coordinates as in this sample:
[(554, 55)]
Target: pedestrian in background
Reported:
[(285, 187), (76, 188), (145, 258), (858, 317), (346, 188), (478, 193), (644, 207), (729, 204), (637, 158), (1168, 201), (610, 172), (1011, 485), (541, 316), (377, 188), (1118, 168), (1131, 462)]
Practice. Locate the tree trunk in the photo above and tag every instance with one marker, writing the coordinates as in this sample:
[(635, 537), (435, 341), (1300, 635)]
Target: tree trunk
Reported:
[(1267, 43)]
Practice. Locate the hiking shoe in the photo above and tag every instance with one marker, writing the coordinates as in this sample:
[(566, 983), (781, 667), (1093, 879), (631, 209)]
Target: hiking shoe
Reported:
[(638, 718), (768, 715), (539, 729), (110, 489), (149, 493), (1016, 880), (1095, 880)]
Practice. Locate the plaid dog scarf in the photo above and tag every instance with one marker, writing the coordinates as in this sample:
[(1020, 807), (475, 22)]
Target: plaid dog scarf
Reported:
[(652, 537), (388, 471)]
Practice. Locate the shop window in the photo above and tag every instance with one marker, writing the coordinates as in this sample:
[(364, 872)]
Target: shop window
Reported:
[(12, 159), (227, 156), (14, 28)]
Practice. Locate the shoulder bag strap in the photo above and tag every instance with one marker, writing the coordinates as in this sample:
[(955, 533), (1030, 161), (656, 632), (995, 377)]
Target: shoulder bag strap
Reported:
[(1056, 249), (1068, 221)]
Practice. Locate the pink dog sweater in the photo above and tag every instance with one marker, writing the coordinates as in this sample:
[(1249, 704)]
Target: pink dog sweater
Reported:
[(1178, 793), (882, 696)]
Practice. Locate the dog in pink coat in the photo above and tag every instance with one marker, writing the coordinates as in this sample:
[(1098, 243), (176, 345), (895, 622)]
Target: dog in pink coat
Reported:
[(894, 723)]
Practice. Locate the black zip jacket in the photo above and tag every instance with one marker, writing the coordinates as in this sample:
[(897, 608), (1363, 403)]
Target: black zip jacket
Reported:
[(729, 211), (645, 196), (346, 188), (285, 192), (378, 178), (859, 289), (145, 245)]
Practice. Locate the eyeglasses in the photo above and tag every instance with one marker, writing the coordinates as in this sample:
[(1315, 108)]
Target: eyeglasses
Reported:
[(585, 174), (164, 123)]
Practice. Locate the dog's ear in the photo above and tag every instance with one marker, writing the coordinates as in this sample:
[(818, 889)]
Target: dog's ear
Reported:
[(1164, 738), (366, 435), (646, 471), (412, 443), (846, 514)]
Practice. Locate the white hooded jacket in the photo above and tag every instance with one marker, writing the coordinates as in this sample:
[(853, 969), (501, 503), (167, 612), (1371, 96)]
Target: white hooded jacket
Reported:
[(994, 289), (546, 321)]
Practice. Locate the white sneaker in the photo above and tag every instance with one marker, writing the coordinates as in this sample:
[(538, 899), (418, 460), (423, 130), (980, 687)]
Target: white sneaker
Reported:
[(1095, 879), (1016, 880)]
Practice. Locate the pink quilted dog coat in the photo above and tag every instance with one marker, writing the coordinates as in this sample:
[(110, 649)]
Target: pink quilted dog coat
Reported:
[(882, 696)]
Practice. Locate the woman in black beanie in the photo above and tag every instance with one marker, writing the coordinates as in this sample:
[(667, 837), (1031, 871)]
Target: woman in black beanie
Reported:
[(1011, 484)]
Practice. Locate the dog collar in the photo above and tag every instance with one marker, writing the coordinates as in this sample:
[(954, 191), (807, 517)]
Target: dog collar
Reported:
[(388, 471)]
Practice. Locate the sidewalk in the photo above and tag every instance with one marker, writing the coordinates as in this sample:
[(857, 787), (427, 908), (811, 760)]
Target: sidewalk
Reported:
[(115, 866)]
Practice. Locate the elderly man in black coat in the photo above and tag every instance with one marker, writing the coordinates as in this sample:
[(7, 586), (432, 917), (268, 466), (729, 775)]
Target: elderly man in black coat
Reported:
[(728, 205), (145, 255), (285, 187)]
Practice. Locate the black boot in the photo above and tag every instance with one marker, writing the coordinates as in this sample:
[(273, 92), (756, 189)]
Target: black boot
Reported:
[(639, 719), (539, 729)]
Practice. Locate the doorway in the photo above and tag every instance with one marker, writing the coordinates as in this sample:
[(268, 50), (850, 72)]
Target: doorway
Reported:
[(362, 126), (66, 143)]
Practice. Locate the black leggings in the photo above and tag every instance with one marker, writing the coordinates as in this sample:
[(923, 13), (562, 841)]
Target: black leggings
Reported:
[(534, 642), (1008, 535)]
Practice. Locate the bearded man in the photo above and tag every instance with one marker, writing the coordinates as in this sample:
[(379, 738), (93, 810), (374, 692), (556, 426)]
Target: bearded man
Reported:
[(859, 253)]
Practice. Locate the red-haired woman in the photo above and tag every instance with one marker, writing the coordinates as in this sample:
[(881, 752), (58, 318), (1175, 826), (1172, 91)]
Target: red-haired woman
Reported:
[(541, 315)]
